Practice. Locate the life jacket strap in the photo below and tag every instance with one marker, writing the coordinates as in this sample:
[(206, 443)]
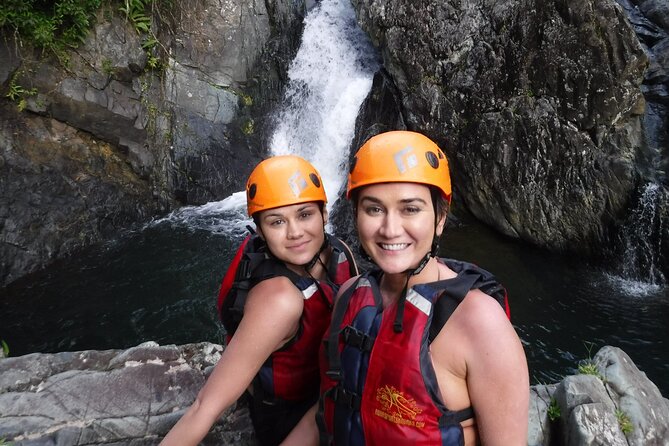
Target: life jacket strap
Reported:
[(346, 398), (334, 371), (358, 339), (456, 416)]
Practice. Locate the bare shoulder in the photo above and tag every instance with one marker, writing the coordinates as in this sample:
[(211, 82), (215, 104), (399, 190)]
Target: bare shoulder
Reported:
[(481, 313), (276, 296)]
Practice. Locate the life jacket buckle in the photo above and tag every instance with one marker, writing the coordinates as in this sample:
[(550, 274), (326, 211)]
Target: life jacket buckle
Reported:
[(334, 375), (356, 338), (346, 398)]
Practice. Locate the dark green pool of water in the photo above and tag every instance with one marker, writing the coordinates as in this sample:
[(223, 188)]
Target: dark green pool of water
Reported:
[(161, 284)]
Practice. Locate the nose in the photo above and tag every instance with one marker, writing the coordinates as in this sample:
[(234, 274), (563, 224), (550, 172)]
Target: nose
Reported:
[(295, 230), (391, 226)]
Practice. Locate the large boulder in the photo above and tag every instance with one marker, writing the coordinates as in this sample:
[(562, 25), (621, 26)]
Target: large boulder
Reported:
[(130, 397), (611, 403), (537, 104)]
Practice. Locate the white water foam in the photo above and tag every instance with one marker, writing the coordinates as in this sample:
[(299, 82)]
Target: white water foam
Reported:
[(329, 79), (632, 287)]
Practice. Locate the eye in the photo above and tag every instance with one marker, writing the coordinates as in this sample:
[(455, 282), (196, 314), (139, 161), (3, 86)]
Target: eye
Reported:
[(277, 222), (412, 210), (306, 214), (373, 210)]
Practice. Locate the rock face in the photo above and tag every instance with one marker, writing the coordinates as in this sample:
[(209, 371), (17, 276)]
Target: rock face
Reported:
[(616, 405), (112, 134), (117, 397), (133, 397), (537, 105)]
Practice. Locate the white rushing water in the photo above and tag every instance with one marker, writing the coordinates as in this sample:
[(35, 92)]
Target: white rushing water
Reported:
[(640, 274), (329, 79)]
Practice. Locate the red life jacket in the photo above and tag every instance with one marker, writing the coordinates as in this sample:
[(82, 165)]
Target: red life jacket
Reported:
[(380, 387), (291, 373)]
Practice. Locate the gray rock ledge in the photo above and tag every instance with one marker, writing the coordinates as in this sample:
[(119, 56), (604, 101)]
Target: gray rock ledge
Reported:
[(132, 397)]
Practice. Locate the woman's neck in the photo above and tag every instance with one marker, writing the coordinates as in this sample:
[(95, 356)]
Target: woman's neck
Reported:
[(391, 285), (317, 271)]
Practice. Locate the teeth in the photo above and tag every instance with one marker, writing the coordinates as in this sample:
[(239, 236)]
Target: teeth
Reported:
[(394, 246)]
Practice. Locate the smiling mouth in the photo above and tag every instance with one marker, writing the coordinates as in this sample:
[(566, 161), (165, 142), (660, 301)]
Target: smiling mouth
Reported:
[(393, 246), (299, 245)]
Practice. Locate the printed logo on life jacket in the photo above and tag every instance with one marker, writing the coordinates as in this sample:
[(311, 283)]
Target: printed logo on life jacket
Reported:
[(397, 408)]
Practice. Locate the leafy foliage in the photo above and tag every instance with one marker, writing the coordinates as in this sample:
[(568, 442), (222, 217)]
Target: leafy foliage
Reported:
[(553, 410), (135, 11), (49, 24), (624, 422)]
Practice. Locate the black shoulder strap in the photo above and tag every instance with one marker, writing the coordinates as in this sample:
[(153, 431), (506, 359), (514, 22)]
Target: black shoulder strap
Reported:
[(338, 247), (332, 346), (454, 291)]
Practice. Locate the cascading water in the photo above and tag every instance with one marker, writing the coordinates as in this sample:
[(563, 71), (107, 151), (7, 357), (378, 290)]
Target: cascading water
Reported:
[(641, 269), (642, 237), (329, 78)]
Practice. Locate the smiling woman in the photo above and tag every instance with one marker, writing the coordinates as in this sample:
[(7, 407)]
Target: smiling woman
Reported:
[(272, 349), (438, 321)]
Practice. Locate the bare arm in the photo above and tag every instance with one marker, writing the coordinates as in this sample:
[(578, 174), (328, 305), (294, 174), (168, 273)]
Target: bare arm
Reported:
[(305, 433), (271, 315), (497, 375)]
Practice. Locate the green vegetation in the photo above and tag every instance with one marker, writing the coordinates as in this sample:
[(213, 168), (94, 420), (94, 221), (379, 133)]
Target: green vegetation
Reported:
[(553, 410), (588, 367), (18, 93), (248, 128), (51, 25), (3, 442), (5, 350), (135, 11), (61, 24), (624, 422)]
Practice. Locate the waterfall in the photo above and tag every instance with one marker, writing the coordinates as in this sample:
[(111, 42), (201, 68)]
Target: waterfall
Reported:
[(328, 80), (640, 266)]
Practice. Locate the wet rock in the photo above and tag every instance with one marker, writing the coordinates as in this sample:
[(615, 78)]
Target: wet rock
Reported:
[(129, 397)]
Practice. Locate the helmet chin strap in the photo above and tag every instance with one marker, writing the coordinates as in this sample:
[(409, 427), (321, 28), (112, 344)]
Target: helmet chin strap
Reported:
[(310, 264), (326, 242), (399, 317)]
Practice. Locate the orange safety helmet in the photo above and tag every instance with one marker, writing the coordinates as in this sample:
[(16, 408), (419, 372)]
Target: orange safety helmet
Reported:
[(400, 156), (282, 181)]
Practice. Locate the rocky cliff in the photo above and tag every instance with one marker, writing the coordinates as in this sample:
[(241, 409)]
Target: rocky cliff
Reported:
[(536, 103), (110, 134)]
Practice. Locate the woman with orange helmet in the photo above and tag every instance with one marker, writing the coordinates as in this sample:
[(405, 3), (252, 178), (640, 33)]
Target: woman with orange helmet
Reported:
[(275, 303), (420, 350)]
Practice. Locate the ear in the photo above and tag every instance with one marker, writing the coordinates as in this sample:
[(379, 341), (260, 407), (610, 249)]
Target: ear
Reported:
[(441, 223), (325, 216), (259, 231)]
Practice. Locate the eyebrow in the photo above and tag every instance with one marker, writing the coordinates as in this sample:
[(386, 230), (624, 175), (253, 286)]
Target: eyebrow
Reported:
[(307, 206), (403, 201)]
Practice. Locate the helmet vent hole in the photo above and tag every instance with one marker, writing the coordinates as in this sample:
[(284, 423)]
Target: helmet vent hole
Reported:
[(253, 189), (314, 179), (432, 159)]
